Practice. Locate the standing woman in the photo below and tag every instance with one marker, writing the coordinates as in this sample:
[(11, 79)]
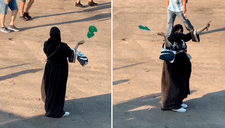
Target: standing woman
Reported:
[(56, 73), (176, 75)]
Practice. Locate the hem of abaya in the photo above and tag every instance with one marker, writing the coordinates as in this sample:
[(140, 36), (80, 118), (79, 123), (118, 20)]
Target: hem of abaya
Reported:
[(171, 107), (53, 116), (167, 109)]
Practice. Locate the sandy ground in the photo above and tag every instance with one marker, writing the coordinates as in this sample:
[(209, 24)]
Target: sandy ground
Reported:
[(137, 68), (22, 62)]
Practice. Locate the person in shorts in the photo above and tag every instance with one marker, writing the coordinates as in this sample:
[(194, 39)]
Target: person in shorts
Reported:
[(4, 9), (25, 15)]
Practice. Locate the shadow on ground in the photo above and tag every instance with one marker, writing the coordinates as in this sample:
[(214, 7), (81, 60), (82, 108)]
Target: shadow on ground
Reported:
[(13, 66), (91, 112), (102, 16), (145, 112), (96, 8), (127, 66), (120, 81), (19, 73), (213, 31)]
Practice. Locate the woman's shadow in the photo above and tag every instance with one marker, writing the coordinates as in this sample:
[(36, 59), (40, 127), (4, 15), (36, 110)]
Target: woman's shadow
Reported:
[(90, 112), (207, 111)]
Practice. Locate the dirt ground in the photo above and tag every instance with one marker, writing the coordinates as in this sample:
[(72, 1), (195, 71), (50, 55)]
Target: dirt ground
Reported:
[(22, 62), (137, 68)]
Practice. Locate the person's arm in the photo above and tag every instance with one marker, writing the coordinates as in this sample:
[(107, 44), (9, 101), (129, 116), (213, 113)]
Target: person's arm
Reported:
[(78, 44), (203, 28), (194, 35), (165, 39), (167, 4), (185, 8), (72, 53)]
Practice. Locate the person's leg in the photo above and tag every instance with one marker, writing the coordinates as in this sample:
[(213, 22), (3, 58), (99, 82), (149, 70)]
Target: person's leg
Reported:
[(29, 5), (13, 18), (3, 28), (26, 14), (22, 4), (170, 21), (2, 20), (4, 9), (186, 22), (14, 8)]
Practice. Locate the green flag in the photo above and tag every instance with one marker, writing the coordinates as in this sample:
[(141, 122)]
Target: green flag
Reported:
[(90, 35), (92, 30), (145, 28)]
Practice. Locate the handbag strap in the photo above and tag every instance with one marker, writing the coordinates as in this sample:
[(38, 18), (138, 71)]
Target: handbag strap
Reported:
[(54, 51)]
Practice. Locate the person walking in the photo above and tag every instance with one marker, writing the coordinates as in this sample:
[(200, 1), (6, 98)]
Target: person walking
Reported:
[(25, 15), (4, 9), (177, 8), (176, 74), (55, 76)]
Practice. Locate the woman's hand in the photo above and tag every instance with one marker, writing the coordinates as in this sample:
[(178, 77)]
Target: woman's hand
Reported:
[(165, 38), (207, 26), (203, 28), (162, 34), (79, 43)]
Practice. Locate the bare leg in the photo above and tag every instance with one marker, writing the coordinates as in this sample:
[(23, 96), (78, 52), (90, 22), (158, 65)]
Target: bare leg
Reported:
[(2, 20), (78, 1), (14, 13), (22, 4), (29, 5)]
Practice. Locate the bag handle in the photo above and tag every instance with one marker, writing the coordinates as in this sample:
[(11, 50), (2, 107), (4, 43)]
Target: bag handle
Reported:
[(54, 51)]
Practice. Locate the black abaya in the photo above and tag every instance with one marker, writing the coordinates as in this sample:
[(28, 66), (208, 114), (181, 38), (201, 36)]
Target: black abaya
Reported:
[(55, 75), (176, 75)]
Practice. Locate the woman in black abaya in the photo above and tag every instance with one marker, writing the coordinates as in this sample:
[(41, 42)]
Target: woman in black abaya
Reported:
[(56, 73), (176, 75)]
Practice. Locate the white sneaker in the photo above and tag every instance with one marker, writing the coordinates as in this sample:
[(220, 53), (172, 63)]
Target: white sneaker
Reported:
[(13, 28), (5, 30), (179, 110), (184, 105), (66, 114)]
